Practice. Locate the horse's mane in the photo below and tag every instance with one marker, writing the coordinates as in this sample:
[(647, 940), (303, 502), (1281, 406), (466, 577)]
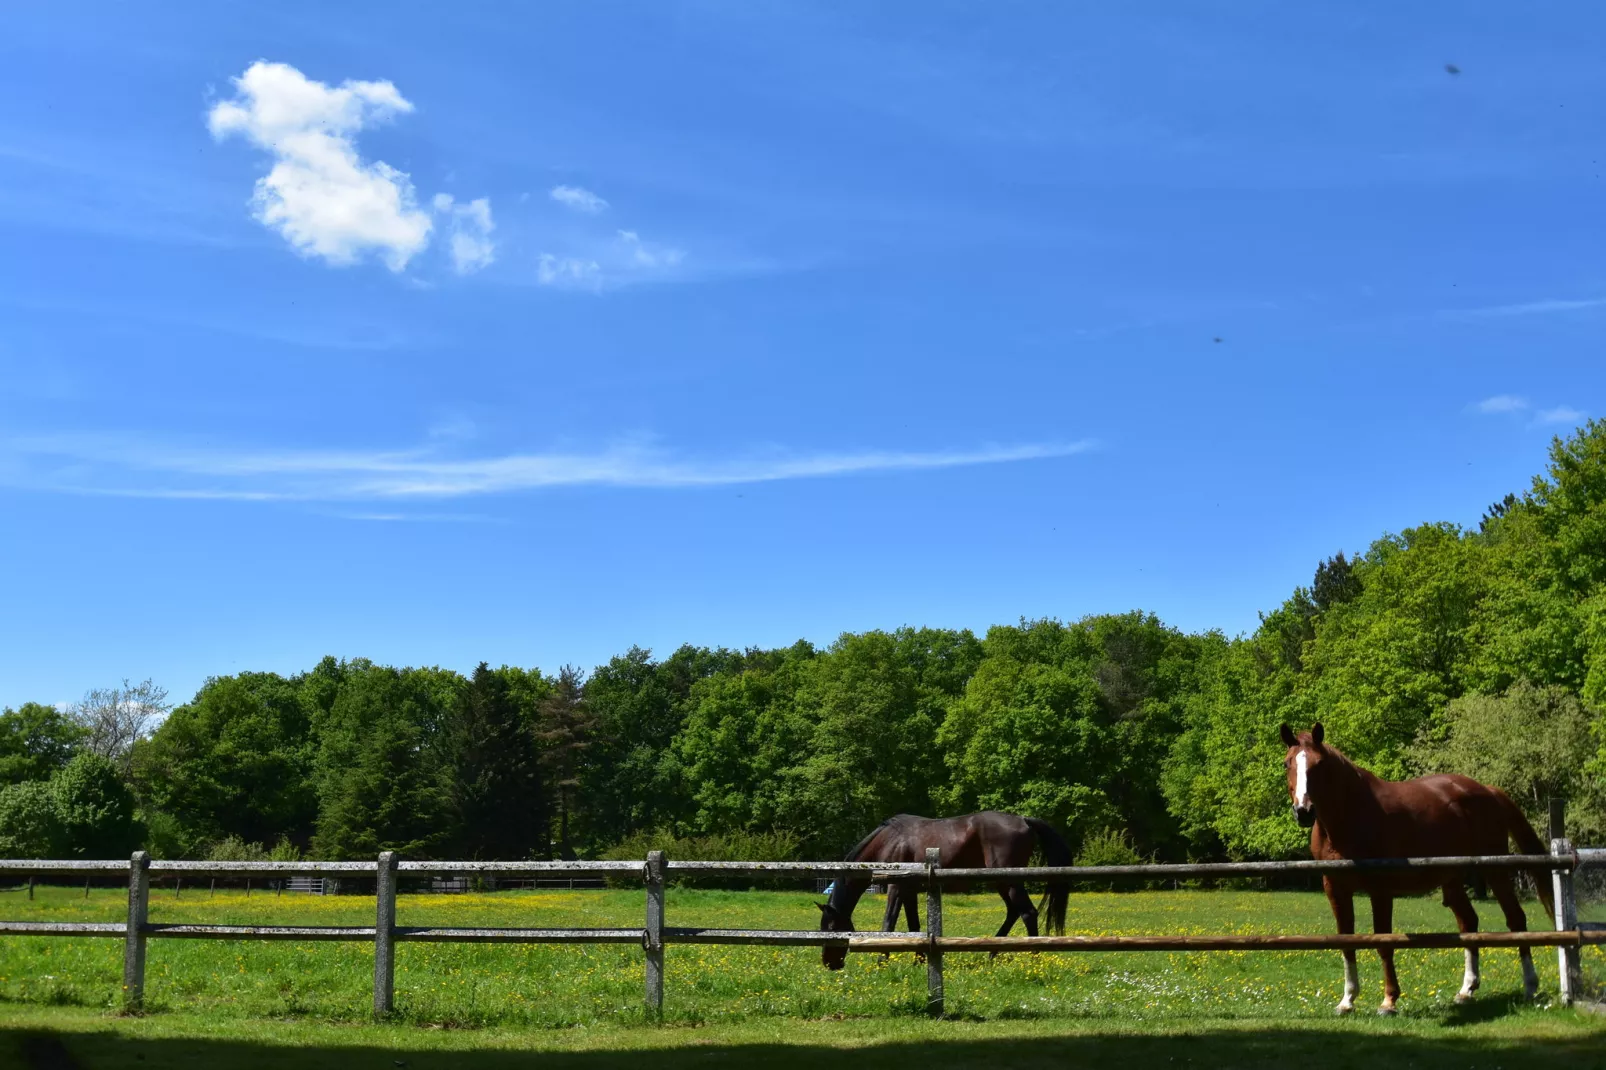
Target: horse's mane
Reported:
[(1360, 772)]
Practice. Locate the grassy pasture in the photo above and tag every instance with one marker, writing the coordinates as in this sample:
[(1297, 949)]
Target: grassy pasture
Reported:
[(512, 998)]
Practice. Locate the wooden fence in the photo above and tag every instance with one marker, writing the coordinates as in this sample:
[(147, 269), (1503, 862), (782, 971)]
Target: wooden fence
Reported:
[(656, 871)]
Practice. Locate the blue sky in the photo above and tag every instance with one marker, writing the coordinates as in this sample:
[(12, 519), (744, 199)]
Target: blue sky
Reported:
[(435, 334)]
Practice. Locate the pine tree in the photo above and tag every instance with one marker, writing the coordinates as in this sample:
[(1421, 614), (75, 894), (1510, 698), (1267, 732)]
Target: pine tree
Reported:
[(566, 730), (495, 783)]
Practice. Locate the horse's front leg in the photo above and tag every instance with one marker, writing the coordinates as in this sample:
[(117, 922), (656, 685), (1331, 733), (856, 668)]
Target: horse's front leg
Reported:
[(1383, 922), (898, 898), (1342, 900)]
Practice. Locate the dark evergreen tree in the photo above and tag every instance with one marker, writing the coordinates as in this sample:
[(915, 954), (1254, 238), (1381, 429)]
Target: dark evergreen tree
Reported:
[(495, 783), (1335, 583), (565, 732)]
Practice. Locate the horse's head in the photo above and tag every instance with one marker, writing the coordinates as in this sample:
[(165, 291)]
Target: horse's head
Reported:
[(834, 921), (1305, 757)]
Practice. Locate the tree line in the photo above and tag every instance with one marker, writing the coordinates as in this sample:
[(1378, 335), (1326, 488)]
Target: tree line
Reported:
[(1479, 650)]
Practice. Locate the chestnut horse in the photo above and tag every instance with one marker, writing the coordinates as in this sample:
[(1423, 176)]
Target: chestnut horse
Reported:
[(1352, 813), (974, 841)]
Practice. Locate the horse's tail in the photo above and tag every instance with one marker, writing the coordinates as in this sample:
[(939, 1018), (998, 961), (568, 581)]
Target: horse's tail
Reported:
[(1056, 852), (1528, 843)]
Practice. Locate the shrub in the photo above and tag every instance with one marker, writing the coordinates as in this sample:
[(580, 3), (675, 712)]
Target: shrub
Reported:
[(728, 847), (1111, 847)]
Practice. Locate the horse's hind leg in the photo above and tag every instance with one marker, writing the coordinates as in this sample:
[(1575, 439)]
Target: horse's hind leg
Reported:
[(1028, 912), (1466, 920), (1383, 922), (911, 912), (1342, 900), (1011, 912), (1516, 921)]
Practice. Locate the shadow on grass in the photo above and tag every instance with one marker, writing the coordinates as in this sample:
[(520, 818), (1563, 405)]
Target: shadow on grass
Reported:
[(1269, 1048)]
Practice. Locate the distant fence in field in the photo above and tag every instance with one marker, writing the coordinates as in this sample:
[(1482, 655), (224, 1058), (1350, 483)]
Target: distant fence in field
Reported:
[(654, 935)]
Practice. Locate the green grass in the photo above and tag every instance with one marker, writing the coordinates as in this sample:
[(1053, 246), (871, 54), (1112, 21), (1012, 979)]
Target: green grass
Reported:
[(238, 1001)]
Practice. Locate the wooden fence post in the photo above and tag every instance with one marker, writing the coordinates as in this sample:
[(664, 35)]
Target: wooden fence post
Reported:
[(934, 993), (653, 938), (139, 895), (385, 935), (1566, 904)]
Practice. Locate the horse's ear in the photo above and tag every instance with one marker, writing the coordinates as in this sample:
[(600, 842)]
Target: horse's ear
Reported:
[(1316, 733), (823, 907), (1288, 736)]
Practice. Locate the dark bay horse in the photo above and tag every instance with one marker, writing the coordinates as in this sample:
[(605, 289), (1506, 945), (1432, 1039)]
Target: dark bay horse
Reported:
[(974, 841), (1352, 813)]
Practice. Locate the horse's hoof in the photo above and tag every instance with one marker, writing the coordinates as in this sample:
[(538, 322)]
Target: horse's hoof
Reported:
[(1463, 997), (1387, 1010), (1345, 1008)]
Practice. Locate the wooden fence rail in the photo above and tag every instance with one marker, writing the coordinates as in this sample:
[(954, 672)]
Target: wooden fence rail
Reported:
[(656, 871)]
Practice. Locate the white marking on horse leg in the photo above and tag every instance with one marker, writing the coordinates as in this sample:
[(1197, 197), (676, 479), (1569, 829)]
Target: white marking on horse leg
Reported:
[(1301, 786), (1352, 984), (1530, 978), (1469, 980)]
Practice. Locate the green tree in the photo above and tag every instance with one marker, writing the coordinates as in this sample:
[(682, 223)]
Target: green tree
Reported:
[(495, 782), (1533, 742), (237, 760), (35, 741), (742, 731), (634, 779), (565, 729), (874, 702), (95, 809), (30, 821), (381, 770)]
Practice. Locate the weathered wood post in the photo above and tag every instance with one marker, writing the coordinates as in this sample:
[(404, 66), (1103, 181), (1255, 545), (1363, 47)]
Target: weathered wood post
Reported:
[(1566, 903), (934, 993), (139, 895), (385, 935), (653, 938)]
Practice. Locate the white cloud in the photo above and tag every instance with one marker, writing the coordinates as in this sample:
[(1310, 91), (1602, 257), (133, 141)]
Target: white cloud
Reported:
[(650, 257), (320, 194), (1561, 414), (581, 200), (471, 225), (568, 271), (1533, 308), (624, 259), (105, 465), (1502, 403)]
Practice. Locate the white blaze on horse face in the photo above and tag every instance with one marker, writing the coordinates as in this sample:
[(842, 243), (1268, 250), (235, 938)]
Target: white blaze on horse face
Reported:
[(1301, 785)]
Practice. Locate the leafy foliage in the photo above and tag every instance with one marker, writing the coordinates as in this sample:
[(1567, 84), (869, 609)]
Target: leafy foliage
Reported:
[(1438, 647)]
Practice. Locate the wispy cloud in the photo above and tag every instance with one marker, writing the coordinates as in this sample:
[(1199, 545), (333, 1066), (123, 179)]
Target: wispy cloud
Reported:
[(1501, 403), (140, 468), (1529, 308), (570, 271), (1515, 405), (471, 227), (1561, 414), (581, 200), (621, 260)]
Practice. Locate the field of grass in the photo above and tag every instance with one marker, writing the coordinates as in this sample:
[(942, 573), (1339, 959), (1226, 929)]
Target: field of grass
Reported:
[(264, 995)]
